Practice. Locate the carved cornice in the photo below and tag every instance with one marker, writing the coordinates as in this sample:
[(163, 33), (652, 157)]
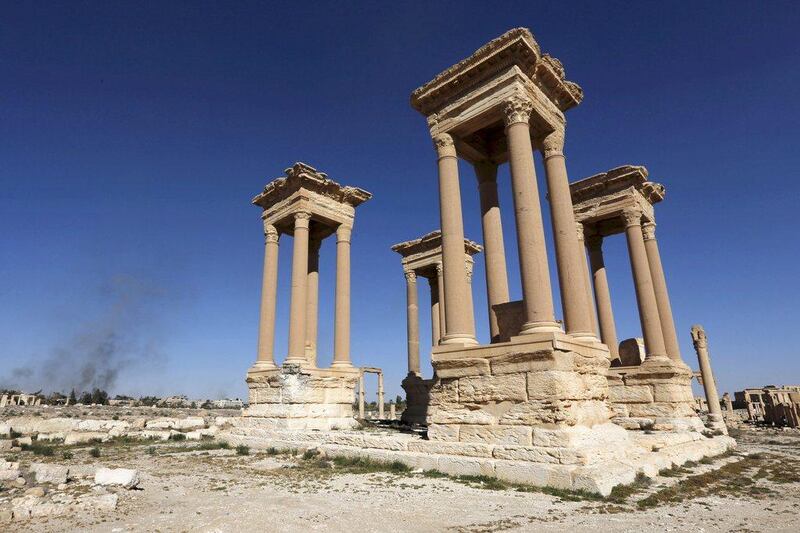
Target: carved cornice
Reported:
[(699, 338), (431, 242), (302, 176), (517, 109), (632, 217), (553, 144), (649, 231)]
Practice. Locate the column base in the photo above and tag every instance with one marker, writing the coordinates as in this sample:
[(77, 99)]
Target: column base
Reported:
[(342, 364), (262, 365), (459, 338), (584, 336), (540, 327)]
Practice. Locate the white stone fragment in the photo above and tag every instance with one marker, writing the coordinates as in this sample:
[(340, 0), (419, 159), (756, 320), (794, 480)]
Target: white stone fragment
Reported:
[(124, 477)]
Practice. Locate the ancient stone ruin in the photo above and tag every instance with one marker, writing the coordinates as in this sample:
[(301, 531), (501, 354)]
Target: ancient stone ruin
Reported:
[(548, 401)]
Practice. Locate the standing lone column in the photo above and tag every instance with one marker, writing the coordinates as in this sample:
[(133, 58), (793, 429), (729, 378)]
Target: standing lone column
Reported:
[(380, 395), (297, 309), (361, 396), (312, 307), (494, 253), (575, 305), (341, 327), (645, 296), (412, 319), (436, 334), (602, 295), (537, 294), (269, 289), (700, 341), (662, 296), (469, 298), (459, 313)]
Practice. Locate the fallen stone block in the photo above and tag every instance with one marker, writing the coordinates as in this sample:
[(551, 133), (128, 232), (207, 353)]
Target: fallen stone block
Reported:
[(47, 473), (84, 437), (124, 477)]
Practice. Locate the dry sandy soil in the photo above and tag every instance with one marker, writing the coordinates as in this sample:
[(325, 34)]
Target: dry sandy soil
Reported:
[(185, 488)]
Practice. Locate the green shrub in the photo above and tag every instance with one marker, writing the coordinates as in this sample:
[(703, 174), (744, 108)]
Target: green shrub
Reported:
[(242, 450), (151, 450), (66, 454), (14, 434), (177, 436), (38, 449), (95, 452)]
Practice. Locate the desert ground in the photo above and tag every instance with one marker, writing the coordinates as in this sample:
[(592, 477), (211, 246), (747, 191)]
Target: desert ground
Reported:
[(207, 485)]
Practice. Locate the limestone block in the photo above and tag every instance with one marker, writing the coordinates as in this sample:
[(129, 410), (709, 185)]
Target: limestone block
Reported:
[(443, 432), (8, 471), (139, 423), (535, 361), (630, 394), (190, 422), (663, 410), (193, 435), (103, 502), (484, 389), (24, 441), (6, 445), (74, 437), (456, 368), (451, 448), (601, 479), (385, 442), (555, 385), (461, 414), (464, 466), (260, 394), (533, 454), (531, 413), (31, 425), (634, 423), (153, 434), (124, 477), (444, 392), (224, 421), (536, 474), (81, 471), (5, 429), (419, 461), (671, 392), (519, 435), (48, 473), (345, 439)]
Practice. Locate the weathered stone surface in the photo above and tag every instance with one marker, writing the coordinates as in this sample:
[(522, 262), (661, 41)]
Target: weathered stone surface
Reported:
[(463, 466), (74, 437), (484, 389), (460, 414), (443, 432), (451, 448), (521, 362), (536, 474), (554, 384), (603, 478), (124, 477), (6, 445), (520, 435), (671, 392), (444, 392), (631, 394), (462, 367), (48, 473)]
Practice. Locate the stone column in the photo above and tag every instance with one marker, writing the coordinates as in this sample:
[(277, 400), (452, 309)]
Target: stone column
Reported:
[(453, 252), (361, 396), (537, 294), (700, 341), (570, 258), (269, 288), (662, 296), (436, 334), (469, 297), (412, 322), (728, 404), (585, 272), (297, 309), (494, 254), (442, 310), (380, 396), (341, 328), (645, 295), (605, 314), (312, 303), (392, 410)]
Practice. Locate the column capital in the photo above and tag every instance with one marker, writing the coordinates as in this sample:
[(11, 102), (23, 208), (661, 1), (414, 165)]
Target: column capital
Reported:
[(649, 231), (439, 269), (301, 219), (516, 109), (552, 144), (343, 233), (632, 217), (271, 234), (594, 241), (580, 230), (699, 338), (444, 144), (411, 276)]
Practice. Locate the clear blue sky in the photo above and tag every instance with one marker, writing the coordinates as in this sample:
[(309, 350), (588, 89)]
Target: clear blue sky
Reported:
[(133, 136)]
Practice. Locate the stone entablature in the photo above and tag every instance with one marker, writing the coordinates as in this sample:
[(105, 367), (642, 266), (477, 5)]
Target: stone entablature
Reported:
[(600, 201), (424, 255)]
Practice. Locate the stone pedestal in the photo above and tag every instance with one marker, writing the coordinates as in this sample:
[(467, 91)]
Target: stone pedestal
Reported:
[(417, 399), (544, 395), (293, 397), (655, 395)]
